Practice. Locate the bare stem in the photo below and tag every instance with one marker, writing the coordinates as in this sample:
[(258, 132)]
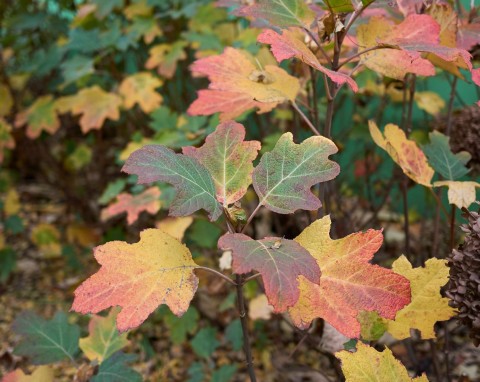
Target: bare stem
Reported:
[(239, 281), (450, 105), (252, 277), (219, 274), (305, 118), (439, 203), (250, 218), (244, 321)]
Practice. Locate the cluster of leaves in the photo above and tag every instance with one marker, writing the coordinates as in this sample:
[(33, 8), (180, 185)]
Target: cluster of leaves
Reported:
[(103, 67)]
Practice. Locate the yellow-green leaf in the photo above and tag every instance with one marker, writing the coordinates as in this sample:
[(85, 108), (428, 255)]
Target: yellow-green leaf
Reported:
[(40, 116), (140, 88), (103, 339)]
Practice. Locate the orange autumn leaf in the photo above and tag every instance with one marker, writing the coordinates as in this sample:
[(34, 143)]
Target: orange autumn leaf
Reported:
[(237, 84), (40, 116), (140, 88), (133, 205), (404, 152), (139, 277), (94, 104), (40, 374), (349, 283)]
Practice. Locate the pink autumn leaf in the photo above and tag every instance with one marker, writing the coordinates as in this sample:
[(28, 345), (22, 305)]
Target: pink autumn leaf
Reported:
[(279, 261)]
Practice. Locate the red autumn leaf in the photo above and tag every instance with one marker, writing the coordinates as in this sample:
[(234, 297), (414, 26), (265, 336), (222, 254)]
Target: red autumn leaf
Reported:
[(287, 45), (388, 62), (229, 159), (133, 205), (237, 85), (139, 277), (349, 283), (421, 34), (468, 35), (279, 261)]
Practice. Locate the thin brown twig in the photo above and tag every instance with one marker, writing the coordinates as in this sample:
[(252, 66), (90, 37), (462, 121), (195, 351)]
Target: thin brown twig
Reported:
[(305, 118), (219, 274)]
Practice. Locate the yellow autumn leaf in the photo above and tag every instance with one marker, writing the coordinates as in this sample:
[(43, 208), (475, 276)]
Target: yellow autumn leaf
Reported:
[(40, 116), (41, 374), (140, 88), (175, 226), (370, 365), (427, 305), (404, 152), (429, 101), (11, 202), (462, 194), (94, 104), (7, 100)]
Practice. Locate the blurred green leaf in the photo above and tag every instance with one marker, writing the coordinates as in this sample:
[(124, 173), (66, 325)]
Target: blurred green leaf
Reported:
[(205, 342)]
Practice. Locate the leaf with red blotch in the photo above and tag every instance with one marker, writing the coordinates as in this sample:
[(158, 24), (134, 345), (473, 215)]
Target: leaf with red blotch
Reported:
[(388, 62), (404, 152), (237, 85), (139, 277), (133, 205), (229, 159), (40, 116), (349, 283), (419, 34), (279, 261), (284, 176), (287, 45), (192, 181), (281, 13)]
